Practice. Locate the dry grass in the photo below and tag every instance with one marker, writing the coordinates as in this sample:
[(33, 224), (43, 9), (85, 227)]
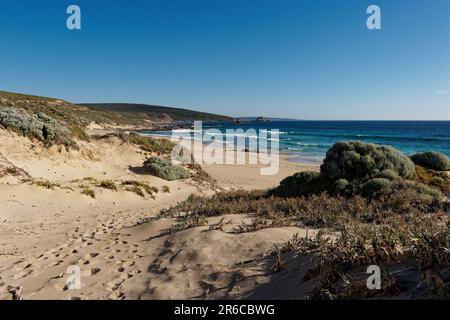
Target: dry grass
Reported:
[(108, 184), (395, 231), (88, 192), (44, 184)]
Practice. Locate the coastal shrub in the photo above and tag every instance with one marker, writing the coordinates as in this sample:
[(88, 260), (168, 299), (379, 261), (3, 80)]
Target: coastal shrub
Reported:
[(387, 174), (341, 185), (165, 189), (423, 189), (165, 169), (150, 144), (432, 160), (404, 195), (36, 126), (375, 185), (301, 183), (362, 161), (433, 178)]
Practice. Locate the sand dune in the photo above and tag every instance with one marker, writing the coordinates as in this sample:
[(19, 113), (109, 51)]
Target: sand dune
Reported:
[(113, 238)]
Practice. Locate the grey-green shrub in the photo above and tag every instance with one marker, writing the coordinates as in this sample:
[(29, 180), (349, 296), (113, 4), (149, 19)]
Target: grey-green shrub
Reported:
[(301, 183), (165, 169), (38, 126), (341, 185), (432, 160), (423, 189), (375, 185), (362, 161), (387, 174)]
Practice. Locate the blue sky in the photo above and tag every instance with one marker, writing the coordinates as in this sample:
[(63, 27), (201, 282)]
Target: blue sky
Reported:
[(307, 59)]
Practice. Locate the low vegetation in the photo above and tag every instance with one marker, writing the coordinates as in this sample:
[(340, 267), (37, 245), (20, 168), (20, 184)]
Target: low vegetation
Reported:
[(43, 183), (156, 113), (108, 184), (36, 126), (363, 161), (388, 212), (88, 192), (435, 179), (164, 169), (432, 160), (149, 144), (366, 169), (139, 187)]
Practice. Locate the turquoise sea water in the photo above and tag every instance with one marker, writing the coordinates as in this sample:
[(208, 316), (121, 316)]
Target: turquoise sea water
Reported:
[(308, 141)]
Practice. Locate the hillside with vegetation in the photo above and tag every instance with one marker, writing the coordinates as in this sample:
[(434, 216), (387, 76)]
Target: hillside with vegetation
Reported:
[(58, 122), (156, 112)]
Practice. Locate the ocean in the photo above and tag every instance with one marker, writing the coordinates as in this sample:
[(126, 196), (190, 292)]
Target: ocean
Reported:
[(308, 141)]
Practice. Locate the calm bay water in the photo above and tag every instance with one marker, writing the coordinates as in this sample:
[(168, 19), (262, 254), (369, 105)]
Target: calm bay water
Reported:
[(309, 140)]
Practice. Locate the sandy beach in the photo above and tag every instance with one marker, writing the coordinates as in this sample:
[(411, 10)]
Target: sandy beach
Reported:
[(115, 238)]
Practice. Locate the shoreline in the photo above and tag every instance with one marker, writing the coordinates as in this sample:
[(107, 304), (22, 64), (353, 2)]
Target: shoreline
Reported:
[(292, 156)]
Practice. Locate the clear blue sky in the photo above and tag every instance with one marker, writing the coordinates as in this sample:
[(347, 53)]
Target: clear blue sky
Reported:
[(309, 59)]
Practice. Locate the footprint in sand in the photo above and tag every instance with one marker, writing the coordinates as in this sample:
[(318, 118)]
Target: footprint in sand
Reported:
[(22, 274), (114, 285), (116, 295)]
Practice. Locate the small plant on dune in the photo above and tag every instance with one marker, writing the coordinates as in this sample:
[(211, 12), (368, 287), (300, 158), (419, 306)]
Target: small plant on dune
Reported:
[(137, 190), (150, 144), (9, 171), (88, 192), (165, 189), (108, 184), (200, 175), (165, 169), (275, 221), (150, 190), (187, 222), (219, 225), (432, 160), (45, 184)]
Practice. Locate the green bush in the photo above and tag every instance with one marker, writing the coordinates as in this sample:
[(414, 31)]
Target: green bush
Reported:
[(150, 144), (341, 185), (165, 169), (38, 126), (423, 189), (373, 186), (301, 183), (432, 160), (362, 161), (387, 174)]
